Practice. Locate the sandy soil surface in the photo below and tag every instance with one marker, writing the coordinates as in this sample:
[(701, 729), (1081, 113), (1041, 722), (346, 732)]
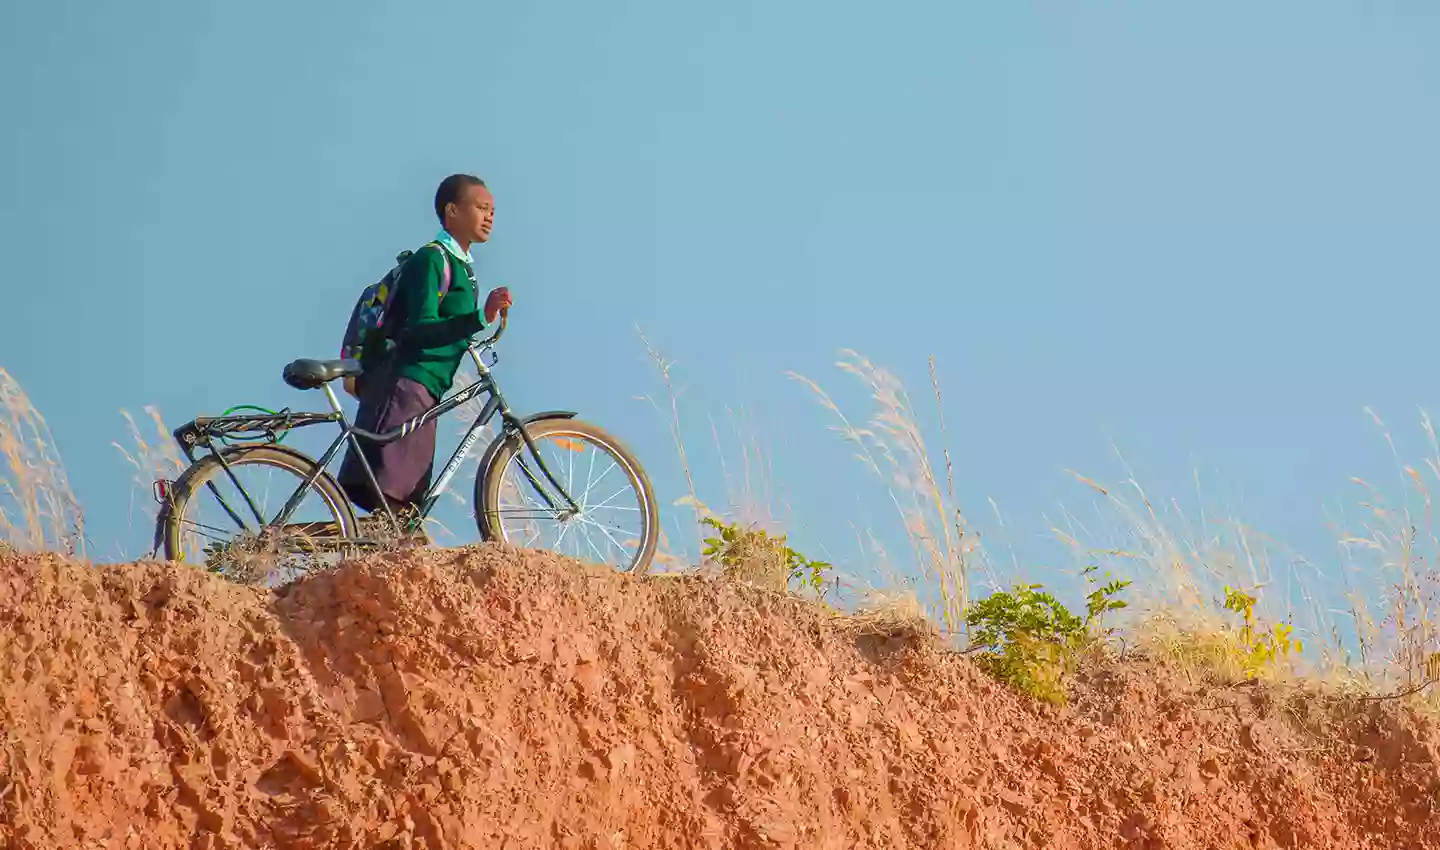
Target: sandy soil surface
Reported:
[(492, 699)]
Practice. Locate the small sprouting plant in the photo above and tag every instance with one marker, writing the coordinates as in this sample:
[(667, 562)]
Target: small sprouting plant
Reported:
[(1102, 600), (1031, 641), (1259, 648), (755, 554)]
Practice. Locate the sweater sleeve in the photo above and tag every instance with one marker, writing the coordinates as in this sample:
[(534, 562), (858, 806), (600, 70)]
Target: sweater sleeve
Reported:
[(418, 294)]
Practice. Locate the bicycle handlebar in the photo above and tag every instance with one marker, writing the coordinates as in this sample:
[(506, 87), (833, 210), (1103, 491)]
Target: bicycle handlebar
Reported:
[(495, 337)]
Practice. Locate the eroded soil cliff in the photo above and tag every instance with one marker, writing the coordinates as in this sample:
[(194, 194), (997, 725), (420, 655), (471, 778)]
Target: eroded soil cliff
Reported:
[(483, 698)]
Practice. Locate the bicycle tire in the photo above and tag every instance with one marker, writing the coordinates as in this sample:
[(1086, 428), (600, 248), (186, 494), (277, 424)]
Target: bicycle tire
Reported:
[(490, 478), (194, 479)]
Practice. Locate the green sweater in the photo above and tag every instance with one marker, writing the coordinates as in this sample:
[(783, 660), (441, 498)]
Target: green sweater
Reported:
[(432, 333)]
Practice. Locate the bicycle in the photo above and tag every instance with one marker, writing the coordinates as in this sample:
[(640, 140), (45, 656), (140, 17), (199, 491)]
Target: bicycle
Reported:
[(238, 442)]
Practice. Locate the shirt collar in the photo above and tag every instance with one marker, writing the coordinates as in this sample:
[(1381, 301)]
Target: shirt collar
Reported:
[(449, 244)]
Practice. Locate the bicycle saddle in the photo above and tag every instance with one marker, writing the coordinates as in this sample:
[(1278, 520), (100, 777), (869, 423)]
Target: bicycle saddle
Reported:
[(311, 374)]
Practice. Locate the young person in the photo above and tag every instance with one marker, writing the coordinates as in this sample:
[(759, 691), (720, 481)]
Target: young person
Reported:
[(431, 326)]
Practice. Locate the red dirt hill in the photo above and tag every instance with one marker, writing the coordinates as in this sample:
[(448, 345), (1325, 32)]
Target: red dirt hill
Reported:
[(490, 699)]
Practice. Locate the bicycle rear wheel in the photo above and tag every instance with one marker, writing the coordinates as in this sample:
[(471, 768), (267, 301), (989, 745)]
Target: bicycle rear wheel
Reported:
[(618, 521), (218, 518)]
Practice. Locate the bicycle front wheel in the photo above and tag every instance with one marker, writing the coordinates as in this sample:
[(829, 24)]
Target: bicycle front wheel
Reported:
[(617, 522), (221, 518)]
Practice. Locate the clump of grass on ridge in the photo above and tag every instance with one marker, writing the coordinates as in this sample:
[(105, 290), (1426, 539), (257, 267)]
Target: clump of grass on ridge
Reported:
[(1367, 621), (1390, 576), (1182, 572), (38, 510)]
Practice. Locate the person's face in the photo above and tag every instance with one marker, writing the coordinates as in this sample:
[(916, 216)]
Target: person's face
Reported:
[(472, 215)]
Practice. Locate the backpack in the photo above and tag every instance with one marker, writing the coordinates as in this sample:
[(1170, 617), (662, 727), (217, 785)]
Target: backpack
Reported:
[(367, 320)]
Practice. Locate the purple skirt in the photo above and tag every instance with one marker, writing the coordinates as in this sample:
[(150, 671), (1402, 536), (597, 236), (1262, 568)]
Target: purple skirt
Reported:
[(403, 467)]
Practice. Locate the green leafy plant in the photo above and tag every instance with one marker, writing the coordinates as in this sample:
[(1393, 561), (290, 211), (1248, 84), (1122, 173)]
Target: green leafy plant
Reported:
[(1259, 648), (756, 555), (1031, 641), (1102, 600)]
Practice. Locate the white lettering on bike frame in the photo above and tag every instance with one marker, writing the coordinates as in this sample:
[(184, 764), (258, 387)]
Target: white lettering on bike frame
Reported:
[(469, 443), (454, 465)]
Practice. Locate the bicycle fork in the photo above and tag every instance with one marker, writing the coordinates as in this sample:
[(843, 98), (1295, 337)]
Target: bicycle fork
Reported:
[(567, 513)]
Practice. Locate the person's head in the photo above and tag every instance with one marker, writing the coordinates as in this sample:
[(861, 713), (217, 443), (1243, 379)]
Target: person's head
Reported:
[(465, 207)]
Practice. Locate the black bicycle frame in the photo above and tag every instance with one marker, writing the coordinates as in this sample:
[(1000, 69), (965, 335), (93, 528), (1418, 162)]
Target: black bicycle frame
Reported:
[(202, 431)]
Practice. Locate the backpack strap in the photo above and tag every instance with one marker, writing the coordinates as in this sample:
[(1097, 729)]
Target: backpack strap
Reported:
[(445, 276)]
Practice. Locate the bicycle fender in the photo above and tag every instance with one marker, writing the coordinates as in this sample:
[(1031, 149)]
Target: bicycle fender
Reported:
[(548, 414), (279, 447)]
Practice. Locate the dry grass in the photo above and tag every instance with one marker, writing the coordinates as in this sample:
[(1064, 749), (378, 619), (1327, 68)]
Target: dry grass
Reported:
[(1179, 568), (1390, 574), (749, 491), (151, 462), (1212, 651), (38, 510), (666, 555), (1369, 625), (1368, 621), (891, 614), (891, 445)]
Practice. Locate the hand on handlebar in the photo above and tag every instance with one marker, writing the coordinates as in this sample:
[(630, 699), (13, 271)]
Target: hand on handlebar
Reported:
[(497, 303), (480, 343)]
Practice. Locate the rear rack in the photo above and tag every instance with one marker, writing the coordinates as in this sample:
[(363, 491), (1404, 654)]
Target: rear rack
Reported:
[(267, 428)]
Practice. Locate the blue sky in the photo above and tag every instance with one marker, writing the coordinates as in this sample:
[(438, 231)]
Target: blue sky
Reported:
[(1201, 231)]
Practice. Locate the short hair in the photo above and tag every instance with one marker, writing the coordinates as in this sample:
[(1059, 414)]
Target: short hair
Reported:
[(450, 189)]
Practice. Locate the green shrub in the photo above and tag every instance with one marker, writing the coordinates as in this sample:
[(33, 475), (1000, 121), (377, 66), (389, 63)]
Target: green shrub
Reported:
[(1031, 641), (755, 555)]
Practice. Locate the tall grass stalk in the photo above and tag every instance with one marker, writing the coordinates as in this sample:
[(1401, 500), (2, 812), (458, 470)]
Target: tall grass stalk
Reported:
[(38, 509), (891, 445), (749, 484), (1391, 573), (151, 462)]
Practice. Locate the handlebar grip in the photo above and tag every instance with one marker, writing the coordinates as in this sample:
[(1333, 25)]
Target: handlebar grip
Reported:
[(491, 340)]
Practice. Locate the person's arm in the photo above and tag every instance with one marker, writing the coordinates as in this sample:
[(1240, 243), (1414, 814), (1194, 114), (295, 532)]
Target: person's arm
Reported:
[(418, 290)]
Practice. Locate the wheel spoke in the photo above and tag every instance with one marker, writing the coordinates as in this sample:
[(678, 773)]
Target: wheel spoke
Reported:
[(616, 538), (606, 532), (192, 522), (607, 501), (590, 484), (599, 556)]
